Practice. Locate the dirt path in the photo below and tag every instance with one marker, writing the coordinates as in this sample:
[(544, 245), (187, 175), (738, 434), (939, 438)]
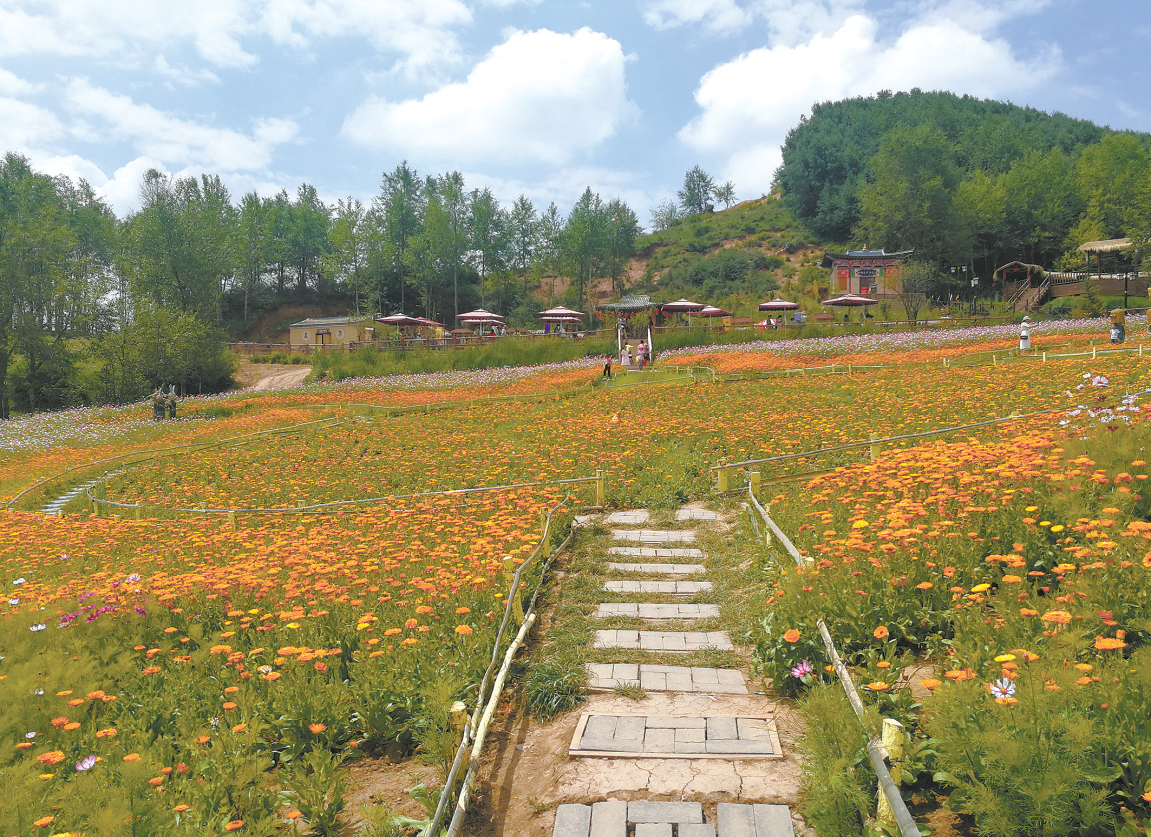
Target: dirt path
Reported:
[(265, 376)]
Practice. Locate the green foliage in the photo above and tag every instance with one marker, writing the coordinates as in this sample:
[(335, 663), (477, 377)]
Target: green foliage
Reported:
[(555, 686), (837, 787), (317, 785)]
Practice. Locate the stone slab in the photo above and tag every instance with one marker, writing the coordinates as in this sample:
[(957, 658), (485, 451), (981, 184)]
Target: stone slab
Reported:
[(631, 517), (640, 811), (609, 818), (653, 829), (662, 569), (659, 588), (663, 737), (773, 821), (572, 821), (696, 829), (696, 514), (654, 536), (657, 612), (663, 641), (656, 552)]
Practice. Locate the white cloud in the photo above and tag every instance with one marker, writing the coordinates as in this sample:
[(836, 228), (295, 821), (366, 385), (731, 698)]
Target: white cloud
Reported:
[(12, 85), (715, 15), (222, 31), (23, 125), (169, 138), (538, 97), (184, 76), (749, 104)]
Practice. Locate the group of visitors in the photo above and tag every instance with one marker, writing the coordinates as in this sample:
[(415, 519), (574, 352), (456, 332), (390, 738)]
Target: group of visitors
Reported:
[(164, 402), (642, 356)]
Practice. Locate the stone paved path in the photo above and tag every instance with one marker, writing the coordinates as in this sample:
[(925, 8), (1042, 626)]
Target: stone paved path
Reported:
[(661, 736), (613, 818), (657, 612), (662, 569), (664, 641), (613, 746), (656, 678), (670, 588)]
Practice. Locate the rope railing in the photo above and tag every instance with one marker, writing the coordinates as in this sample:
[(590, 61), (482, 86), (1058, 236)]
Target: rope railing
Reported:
[(724, 469), (877, 753), (153, 452), (478, 721), (600, 479)]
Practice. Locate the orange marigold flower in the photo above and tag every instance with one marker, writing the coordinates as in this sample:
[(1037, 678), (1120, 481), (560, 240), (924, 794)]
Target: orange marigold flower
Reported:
[(51, 757), (99, 694), (463, 629), (156, 781), (1059, 617), (878, 686), (58, 722), (411, 623), (791, 636), (293, 815), (72, 726), (423, 609), (150, 670), (43, 822), (203, 739), (316, 729), (924, 585), (271, 675), (220, 649), (239, 727), (410, 641), (132, 757), (1106, 643), (234, 825), (229, 705), (463, 611), (231, 690), (880, 632), (931, 683), (179, 809), (110, 732)]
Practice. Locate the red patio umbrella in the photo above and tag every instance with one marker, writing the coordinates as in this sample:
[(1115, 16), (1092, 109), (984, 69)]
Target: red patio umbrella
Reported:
[(559, 314), (712, 311), (480, 317), (778, 304), (682, 306), (850, 301), (399, 320)]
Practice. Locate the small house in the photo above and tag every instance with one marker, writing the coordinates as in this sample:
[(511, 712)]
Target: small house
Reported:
[(324, 333)]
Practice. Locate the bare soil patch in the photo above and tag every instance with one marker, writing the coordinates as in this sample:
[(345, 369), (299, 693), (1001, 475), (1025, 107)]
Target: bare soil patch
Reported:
[(265, 376)]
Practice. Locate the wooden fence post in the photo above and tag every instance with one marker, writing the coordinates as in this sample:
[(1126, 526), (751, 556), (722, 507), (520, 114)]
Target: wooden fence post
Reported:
[(753, 482), (724, 479), (513, 592), (893, 743), (875, 447), (600, 488)]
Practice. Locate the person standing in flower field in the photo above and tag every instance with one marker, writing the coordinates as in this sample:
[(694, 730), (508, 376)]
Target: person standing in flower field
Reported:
[(641, 354), (607, 366), (625, 355), (1025, 335)]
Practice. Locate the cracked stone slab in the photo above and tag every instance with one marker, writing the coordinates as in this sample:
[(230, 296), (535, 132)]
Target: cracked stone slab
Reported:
[(632, 517), (652, 536), (664, 641), (669, 588), (608, 736), (656, 552), (655, 678), (696, 514), (662, 569), (657, 612)]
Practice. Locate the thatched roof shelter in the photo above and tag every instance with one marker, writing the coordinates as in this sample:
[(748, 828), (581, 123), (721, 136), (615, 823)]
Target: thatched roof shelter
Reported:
[(1109, 245)]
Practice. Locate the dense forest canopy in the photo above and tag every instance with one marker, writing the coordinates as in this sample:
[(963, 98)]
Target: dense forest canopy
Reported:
[(963, 180)]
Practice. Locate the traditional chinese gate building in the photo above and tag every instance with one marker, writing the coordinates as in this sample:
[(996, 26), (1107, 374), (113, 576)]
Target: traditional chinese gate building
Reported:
[(866, 272)]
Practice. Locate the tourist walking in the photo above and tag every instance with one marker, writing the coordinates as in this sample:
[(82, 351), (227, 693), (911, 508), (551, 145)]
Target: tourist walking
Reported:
[(641, 354)]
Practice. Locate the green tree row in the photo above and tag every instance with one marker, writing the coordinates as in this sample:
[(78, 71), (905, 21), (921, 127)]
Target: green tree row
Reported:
[(964, 181), (150, 299)]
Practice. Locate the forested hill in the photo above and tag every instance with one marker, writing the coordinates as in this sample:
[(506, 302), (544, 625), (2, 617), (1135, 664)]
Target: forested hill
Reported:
[(961, 179)]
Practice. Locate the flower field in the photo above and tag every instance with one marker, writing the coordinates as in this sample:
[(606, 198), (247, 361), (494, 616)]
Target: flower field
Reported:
[(179, 674), (1020, 569)]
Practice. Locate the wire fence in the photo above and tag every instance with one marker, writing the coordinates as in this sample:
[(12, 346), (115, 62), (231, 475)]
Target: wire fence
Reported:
[(877, 753)]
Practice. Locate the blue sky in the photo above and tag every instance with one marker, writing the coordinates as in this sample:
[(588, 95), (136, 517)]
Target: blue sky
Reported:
[(538, 97)]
